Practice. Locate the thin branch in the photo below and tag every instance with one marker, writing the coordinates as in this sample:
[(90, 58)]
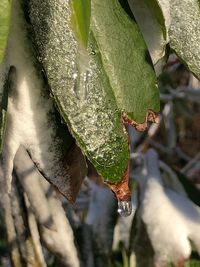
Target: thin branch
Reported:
[(191, 163), (58, 237)]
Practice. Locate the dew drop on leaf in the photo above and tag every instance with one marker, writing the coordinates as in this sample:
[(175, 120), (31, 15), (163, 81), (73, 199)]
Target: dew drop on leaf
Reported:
[(124, 208)]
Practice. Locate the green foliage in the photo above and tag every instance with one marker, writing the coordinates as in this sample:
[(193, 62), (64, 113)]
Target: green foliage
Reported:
[(81, 19), (125, 59), (4, 25), (89, 95)]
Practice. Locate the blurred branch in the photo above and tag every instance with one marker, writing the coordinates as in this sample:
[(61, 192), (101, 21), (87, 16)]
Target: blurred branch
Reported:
[(55, 229), (140, 250), (23, 248), (191, 163), (169, 122), (101, 217), (23, 233)]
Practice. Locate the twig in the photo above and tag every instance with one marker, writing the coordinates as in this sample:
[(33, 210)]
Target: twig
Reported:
[(168, 118), (58, 237), (172, 179), (190, 164)]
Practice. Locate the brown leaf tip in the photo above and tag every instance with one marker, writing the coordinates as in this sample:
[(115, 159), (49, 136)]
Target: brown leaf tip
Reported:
[(150, 116), (153, 116), (121, 188)]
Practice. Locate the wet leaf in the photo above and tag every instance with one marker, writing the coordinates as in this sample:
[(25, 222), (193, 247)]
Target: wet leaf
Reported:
[(80, 87), (89, 93), (126, 61)]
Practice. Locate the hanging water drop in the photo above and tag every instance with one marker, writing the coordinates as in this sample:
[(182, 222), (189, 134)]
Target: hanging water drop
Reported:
[(124, 208), (123, 194)]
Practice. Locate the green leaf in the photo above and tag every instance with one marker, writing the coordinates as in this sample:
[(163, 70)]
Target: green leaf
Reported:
[(151, 22), (125, 59), (4, 25), (81, 88), (81, 19)]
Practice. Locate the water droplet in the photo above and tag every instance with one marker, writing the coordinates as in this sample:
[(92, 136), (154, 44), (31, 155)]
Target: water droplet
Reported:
[(124, 208)]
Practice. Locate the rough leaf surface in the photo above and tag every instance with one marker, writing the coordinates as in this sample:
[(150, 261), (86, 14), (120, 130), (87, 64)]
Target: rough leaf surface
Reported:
[(184, 32), (80, 87)]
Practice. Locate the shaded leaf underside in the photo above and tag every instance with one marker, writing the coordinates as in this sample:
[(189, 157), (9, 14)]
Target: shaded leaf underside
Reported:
[(176, 22), (181, 24), (151, 23)]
